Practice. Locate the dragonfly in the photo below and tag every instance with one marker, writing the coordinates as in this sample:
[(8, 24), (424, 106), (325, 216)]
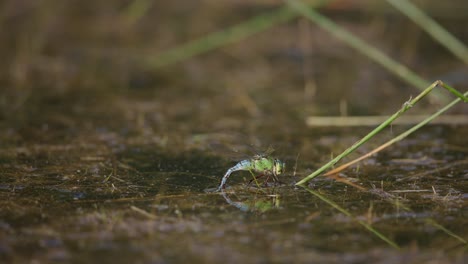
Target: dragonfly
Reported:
[(262, 164)]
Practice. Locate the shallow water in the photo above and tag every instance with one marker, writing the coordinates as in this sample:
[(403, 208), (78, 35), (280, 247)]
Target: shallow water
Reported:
[(106, 159), (144, 203)]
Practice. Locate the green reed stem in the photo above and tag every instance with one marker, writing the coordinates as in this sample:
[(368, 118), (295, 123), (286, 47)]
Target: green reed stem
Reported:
[(406, 106)]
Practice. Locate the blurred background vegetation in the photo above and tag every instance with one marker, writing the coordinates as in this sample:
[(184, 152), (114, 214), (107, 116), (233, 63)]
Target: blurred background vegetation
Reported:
[(76, 65)]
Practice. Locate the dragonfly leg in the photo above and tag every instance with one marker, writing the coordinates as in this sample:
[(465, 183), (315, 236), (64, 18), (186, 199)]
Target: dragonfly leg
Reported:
[(265, 183), (255, 178), (273, 176)]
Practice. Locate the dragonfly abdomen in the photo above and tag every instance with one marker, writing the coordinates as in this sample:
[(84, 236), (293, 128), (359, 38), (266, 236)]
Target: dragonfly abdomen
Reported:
[(241, 165)]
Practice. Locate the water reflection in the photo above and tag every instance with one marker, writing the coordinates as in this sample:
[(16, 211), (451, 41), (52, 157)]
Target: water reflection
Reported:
[(260, 202)]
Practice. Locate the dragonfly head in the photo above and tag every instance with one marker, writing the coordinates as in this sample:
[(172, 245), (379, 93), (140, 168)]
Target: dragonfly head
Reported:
[(279, 167)]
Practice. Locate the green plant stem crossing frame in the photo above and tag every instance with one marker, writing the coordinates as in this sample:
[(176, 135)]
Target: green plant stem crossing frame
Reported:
[(406, 106)]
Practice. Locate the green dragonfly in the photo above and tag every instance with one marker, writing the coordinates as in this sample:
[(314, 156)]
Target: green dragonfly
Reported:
[(262, 164)]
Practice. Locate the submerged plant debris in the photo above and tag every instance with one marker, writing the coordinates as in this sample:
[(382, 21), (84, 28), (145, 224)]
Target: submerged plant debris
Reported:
[(105, 158)]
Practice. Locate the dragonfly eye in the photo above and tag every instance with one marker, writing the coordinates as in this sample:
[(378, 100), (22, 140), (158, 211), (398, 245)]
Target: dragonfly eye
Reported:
[(279, 166)]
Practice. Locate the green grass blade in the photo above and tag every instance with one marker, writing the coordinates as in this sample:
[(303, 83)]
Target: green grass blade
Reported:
[(461, 97), (454, 91), (374, 54), (427, 120), (433, 28), (344, 211), (404, 108)]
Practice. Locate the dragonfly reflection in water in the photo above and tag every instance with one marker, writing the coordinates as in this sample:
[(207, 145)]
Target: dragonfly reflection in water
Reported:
[(260, 164), (261, 203)]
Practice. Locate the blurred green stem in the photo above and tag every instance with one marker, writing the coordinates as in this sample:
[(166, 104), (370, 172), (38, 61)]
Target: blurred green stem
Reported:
[(376, 55), (230, 35), (136, 10), (433, 28), (221, 38)]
